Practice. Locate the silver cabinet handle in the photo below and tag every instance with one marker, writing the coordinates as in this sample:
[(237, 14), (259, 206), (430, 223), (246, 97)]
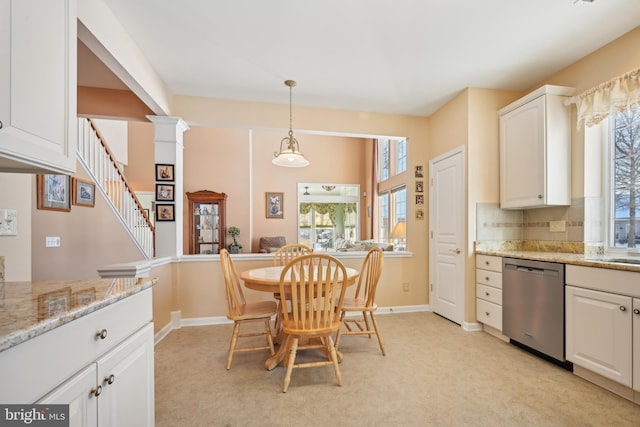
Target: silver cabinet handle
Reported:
[(102, 334), (486, 278), (486, 313), (486, 293), (0, 124), (539, 196), (487, 263), (623, 308), (110, 379), (636, 311), (97, 391)]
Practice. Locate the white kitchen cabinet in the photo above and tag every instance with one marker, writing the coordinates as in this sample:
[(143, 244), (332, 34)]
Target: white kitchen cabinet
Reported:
[(116, 390), (489, 290), (108, 352), (599, 332), (38, 78), (535, 150)]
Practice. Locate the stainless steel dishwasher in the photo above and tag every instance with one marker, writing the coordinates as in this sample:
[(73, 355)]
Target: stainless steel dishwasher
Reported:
[(533, 305)]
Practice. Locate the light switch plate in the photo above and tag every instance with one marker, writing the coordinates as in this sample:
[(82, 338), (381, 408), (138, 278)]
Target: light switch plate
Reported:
[(52, 242), (557, 226)]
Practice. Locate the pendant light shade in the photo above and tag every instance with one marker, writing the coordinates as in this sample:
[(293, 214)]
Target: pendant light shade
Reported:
[(289, 154)]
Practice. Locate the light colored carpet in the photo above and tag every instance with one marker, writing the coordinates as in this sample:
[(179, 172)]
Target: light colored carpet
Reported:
[(434, 374)]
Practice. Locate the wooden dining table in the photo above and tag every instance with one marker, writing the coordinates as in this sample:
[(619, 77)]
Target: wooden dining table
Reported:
[(267, 279)]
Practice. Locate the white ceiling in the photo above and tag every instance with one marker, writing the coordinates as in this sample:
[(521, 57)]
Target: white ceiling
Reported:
[(388, 56)]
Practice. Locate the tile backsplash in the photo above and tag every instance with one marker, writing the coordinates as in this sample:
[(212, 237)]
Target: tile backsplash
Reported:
[(495, 224)]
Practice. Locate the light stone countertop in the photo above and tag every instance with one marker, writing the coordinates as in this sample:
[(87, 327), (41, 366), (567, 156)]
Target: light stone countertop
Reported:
[(29, 309), (600, 261)]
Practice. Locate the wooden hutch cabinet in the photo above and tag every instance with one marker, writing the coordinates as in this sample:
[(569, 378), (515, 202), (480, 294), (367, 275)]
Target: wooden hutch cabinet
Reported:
[(207, 228)]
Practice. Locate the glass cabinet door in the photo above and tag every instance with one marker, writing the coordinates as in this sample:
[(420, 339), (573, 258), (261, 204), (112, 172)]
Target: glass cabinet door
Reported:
[(206, 222)]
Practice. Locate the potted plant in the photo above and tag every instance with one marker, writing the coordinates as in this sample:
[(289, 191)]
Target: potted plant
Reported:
[(234, 247)]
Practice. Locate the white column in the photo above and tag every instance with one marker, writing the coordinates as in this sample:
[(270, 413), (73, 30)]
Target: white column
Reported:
[(169, 148)]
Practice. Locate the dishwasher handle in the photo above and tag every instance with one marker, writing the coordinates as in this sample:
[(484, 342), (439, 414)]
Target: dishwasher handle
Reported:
[(530, 269)]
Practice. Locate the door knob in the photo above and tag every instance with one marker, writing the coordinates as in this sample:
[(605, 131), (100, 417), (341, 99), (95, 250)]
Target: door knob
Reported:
[(456, 250)]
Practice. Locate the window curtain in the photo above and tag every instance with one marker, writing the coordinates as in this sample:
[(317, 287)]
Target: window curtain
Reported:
[(618, 94)]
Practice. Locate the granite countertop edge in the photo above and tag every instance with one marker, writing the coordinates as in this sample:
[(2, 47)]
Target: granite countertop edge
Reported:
[(561, 257), (22, 335)]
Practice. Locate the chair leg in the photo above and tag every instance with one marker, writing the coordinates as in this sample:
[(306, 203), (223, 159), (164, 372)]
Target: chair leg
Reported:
[(339, 333), (267, 325), (333, 356), (293, 343), (232, 344), (366, 322), (375, 325)]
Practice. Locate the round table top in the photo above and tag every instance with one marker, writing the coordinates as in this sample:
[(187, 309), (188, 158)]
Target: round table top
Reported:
[(267, 279)]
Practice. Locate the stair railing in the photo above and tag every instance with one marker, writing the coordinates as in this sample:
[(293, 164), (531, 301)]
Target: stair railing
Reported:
[(100, 163)]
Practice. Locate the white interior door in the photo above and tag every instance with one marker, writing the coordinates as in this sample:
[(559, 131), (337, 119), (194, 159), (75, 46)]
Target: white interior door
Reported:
[(447, 248)]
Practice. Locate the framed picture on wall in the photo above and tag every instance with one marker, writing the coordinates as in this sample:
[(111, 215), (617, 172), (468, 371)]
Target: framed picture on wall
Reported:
[(84, 193), (165, 212), (164, 192), (165, 172), (274, 203), (54, 192)]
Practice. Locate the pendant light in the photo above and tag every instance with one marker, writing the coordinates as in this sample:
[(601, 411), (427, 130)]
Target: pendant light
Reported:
[(289, 154)]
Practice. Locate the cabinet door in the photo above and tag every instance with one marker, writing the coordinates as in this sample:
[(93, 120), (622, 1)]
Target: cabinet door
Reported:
[(126, 375), (599, 332), (636, 344), (38, 85), (522, 156), (78, 393)]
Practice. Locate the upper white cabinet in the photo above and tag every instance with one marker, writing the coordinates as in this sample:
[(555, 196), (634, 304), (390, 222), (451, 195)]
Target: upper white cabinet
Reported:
[(535, 150), (38, 76)]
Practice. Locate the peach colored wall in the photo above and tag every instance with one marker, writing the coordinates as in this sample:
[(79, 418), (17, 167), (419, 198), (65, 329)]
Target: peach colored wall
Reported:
[(90, 238), (15, 193), (206, 298), (140, 171), (111, 103), (165, 294)]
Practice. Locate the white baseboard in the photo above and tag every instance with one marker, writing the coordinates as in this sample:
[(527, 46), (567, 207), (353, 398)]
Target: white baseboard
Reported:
[(471, 326)]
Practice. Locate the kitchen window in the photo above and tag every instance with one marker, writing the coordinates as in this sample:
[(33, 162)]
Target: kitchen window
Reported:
[(623, 190)]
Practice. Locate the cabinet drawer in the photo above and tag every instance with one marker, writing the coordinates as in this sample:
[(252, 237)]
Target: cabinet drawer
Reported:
[(489, 313), (38, 365), (488, 293), (488, 262), (489, 278)]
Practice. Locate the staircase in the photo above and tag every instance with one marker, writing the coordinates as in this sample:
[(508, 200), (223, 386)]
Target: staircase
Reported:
[(98, 161)]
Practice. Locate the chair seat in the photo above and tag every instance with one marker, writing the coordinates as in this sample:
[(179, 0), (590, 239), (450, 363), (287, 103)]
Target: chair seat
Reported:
[(295, 328), (255, 310), (357, 304)]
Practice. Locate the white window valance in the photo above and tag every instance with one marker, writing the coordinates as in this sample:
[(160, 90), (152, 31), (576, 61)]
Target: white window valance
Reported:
[(618, 94)]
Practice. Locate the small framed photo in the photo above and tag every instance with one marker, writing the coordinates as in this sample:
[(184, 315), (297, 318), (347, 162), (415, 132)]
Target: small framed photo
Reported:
[(165, 172), (419, 199), (418, 172), (54, 192), (419, 214), (165, 212), (84, 193), (54, 303), (164, 192), (274, 203), (419, 186)]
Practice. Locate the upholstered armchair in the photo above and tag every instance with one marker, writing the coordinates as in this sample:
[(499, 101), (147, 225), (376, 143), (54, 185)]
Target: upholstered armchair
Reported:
[(271, 244)]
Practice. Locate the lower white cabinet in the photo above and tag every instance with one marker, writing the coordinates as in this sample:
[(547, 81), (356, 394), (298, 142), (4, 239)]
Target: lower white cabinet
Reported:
[(603, 323), (116, 390), (101, 364), (489, 290), (598, 335)]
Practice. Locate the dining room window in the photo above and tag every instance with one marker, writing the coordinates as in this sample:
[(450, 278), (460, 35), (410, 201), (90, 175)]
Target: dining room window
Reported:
[(391, 186)]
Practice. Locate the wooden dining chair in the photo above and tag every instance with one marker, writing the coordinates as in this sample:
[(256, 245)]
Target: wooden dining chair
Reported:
[(314, 285), (363, 301), (282, 256), (242, 312), (290, 251)]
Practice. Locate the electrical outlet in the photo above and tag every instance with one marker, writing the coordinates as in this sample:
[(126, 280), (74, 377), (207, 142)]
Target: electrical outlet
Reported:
[(52, 242), (557, 226), (405, 286)]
